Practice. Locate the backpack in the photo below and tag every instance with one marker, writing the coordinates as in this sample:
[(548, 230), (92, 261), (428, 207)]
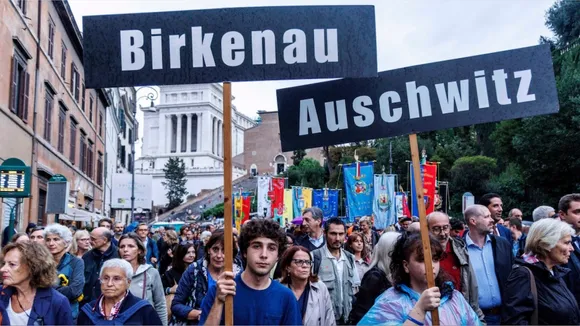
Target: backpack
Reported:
[(119, 320)]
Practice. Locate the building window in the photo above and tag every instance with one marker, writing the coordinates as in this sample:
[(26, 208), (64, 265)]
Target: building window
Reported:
[(51, 29), (83, 152), (90, 159), (130, 138), (61, 123), (48, 103), (100, 169), (75, 82), (130, 163), (83, 97), (91, 100), (100, 122), (73, 140), (63, 61), (20, 86), (123, 156), (22, 6)]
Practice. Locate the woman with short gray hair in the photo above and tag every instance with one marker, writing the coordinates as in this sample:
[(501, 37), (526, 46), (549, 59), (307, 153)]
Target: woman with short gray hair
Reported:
[(535, 291), (70, 269), (117, 305)]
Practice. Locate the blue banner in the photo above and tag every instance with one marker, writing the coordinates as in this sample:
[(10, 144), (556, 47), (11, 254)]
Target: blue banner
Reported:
[(298, 200), (384, 203), (327, 201), (358, 184)]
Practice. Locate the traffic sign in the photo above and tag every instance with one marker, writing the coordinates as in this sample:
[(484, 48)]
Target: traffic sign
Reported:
[(14, 179)]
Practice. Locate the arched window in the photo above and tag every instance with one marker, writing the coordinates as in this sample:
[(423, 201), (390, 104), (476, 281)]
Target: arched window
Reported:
[(280, 164)]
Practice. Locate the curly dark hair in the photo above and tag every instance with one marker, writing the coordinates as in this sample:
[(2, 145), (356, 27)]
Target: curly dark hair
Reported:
[(404, 248), (286, 260), (39, 261), (138, 242), (266, 228), (217, 237)]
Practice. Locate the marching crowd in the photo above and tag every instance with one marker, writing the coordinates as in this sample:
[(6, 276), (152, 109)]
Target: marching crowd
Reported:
[(323, 272)]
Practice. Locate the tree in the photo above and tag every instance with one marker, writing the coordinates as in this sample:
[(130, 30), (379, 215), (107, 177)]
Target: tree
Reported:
[(298, 156), (470, 174), (563, 18), (175, 181), (309, 173)]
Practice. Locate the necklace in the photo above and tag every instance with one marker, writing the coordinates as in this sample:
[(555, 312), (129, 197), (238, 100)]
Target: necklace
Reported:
[(20, 305)]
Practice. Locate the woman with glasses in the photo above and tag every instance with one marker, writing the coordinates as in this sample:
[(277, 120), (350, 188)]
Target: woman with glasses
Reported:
[(117, 305), (312, 295), (81, 243), (70, 269), (28, 273), (145, 281), (199, 276)]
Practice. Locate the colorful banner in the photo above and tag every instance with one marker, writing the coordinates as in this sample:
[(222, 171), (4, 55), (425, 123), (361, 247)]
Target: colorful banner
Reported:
[(264, 202), (429, 176), (307, 195), (238, 211), (246, 206), (299, 200), (399, 198), (327, 201), (277, 199), (384, 205), (358, 183), (288, 213)]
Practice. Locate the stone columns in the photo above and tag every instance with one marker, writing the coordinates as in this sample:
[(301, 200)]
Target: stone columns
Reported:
[(178, 142), (199, 124), (189, 125)]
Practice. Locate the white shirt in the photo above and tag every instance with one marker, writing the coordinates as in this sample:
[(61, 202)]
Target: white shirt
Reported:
[(17, 318), (339, 264)]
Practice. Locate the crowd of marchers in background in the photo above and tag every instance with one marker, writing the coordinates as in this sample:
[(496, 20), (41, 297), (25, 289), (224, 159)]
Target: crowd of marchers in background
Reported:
[(489, 268)]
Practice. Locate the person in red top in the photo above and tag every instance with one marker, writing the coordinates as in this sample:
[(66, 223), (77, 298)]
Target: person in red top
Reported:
[(455, 260)]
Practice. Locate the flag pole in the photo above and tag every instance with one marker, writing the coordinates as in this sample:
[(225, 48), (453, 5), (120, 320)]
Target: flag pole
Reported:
[(423, 220), (227, 156)]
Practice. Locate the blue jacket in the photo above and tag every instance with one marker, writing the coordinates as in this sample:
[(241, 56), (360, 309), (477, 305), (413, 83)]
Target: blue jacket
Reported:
[(93, 260), (49, 305), (134, 311), (152, 250), (572, 279), (504, 232), (73, 269)]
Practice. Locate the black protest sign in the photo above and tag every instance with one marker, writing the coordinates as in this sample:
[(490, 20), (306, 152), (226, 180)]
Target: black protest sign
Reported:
[(237, 44), (485, 88)]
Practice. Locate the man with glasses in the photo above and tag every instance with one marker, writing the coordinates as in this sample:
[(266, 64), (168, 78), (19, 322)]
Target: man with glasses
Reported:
[(150, 244), (103, 250), (455, 259)]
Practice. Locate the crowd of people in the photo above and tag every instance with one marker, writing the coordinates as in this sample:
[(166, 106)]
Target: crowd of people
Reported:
[(487, 270)]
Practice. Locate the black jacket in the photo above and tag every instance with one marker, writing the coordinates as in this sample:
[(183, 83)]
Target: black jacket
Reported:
[(556, 304), (503, 260), (94, 260), (305, 242), (572, 279), (146, 315), (373, 284)]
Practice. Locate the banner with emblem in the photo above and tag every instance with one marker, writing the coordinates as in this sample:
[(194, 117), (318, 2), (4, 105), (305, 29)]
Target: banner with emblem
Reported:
[(238, 210), (358, 183), (384, 204), (246, 206), (277, 197), (298, 200), (327, 200), (264, 201), (429, 176), (288, 213)]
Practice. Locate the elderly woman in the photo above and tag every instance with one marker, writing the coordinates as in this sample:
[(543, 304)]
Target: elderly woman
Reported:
[(145, 282), (312, 295), (377, 279), (70, 269), (199, 276), (410, 301), (117, 305), (548, 245), (28, 273), (81, 243)]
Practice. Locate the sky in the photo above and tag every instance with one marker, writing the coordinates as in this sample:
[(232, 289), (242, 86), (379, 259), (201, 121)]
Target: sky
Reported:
[(408, 32)]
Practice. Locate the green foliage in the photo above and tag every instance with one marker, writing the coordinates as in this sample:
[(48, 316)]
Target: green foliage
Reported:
[(563, 18), (175, 180), (309, 173), (298, 156), (512, 187), (217, 211), (470, 174)]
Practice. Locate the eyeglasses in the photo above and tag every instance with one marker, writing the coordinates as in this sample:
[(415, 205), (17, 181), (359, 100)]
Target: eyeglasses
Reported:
[(114, 279), (302, 262), (437, 229)]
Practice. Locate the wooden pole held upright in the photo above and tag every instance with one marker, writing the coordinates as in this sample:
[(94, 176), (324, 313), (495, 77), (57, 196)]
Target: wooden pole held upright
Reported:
[(423, 219), (228, 224)]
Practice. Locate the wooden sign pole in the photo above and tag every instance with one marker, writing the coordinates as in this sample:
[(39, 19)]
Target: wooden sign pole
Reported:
[(423, 219), (227, 155)]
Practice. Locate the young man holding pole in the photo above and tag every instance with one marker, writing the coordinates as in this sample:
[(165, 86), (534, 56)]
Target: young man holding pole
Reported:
[(258, 300)]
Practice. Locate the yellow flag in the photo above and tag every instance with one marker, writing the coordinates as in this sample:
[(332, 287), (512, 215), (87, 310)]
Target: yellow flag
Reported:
[(307, 194), (238, 211), (288, 214)]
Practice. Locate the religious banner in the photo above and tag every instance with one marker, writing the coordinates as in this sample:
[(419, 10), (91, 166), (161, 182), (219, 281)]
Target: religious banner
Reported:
[(358, 184), (327, 200), (399, 204), (428, 176), (288, 213), (384, 202), (277, 199), (264, 202), (238, 205), (298, 199)]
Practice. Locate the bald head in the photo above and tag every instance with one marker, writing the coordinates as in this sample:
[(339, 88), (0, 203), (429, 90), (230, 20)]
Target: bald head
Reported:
[(101, 238), (439, 226), (479, 219), (414, 227)]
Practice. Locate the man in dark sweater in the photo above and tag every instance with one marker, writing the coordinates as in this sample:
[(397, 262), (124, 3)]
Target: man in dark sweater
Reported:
[(312, 223)]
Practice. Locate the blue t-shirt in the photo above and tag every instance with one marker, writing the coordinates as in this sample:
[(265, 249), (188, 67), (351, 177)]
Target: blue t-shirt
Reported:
[(275, 305)]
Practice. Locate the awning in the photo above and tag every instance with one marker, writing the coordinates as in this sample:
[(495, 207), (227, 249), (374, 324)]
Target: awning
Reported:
[(77, 215)]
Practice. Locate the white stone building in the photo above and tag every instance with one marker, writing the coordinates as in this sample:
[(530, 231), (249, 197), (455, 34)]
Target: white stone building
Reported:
[(188, 123)]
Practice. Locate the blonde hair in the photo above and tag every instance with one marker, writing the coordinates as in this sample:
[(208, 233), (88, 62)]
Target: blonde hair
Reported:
[(74, 248), (383, 251), (171, 237), (545, 234)]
